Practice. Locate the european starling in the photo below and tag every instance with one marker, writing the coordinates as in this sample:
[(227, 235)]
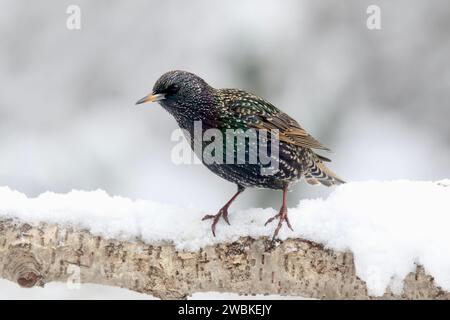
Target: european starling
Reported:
[(189, 99)]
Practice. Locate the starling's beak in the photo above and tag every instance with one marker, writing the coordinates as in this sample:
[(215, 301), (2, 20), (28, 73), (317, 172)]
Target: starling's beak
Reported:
[(152, 98)]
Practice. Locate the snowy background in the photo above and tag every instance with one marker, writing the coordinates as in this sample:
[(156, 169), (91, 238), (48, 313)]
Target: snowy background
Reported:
[(379, 99)]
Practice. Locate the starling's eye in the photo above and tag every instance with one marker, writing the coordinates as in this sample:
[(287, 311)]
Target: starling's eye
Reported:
[(172, 89)]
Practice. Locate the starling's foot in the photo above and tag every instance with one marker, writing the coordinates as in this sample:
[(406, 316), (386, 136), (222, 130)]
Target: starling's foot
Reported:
[(216, 217), (281, 216)]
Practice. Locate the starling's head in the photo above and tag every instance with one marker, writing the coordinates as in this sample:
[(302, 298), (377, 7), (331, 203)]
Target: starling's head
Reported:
[(178, 90)]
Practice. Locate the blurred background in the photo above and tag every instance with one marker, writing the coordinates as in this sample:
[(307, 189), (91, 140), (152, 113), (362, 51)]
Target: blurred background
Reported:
[(379, 99)]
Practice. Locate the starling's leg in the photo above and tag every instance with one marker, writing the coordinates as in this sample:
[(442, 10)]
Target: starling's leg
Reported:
[(282, 216), (223, 212)]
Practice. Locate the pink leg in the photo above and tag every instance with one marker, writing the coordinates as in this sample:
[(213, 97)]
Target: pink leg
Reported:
[(223, 212), (282, 216)]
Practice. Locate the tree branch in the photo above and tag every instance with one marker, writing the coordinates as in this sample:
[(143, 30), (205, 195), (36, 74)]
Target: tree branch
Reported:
[(35, 255)]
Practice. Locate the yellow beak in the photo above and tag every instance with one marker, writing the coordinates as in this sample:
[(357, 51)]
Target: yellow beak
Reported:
[(152, 98)]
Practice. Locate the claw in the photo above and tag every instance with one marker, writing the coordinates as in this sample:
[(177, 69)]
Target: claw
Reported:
[(282, 216), (288, 223), (225, 217), (271, 219), (216, 217), (223, 212)]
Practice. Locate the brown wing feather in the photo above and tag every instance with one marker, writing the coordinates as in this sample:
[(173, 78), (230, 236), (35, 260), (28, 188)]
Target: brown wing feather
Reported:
[(290, 131), (261, 114)]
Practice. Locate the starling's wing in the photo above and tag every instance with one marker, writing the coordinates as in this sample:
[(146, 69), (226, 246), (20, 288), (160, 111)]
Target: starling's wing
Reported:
[(260, 114), (290, 131)]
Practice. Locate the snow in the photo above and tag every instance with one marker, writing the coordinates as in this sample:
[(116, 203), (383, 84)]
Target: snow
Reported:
[(390, 226)]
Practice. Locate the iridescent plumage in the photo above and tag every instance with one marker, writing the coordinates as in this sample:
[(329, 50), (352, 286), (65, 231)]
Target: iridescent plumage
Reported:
[(189, 98)]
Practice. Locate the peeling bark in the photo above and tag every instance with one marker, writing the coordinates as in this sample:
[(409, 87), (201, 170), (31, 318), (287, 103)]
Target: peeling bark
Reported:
[(35, 255)]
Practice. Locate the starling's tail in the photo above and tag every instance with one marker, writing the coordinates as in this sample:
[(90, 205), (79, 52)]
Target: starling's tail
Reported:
[(318, 173)]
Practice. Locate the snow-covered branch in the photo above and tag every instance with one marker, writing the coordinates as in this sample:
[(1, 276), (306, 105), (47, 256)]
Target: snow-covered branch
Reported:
[(367, 239)]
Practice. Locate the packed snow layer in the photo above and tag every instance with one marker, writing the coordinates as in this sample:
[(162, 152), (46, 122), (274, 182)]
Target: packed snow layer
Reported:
[(389, 226)]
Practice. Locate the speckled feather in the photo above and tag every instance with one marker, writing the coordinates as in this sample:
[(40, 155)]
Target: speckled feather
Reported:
[(189, 98)]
